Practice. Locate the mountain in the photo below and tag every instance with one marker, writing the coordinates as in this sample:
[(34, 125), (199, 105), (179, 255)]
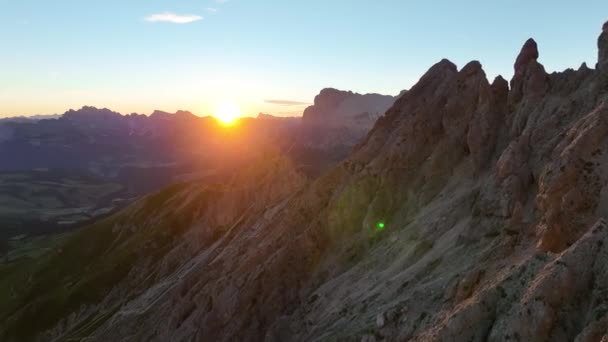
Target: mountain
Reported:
[(106, 143), (472, 211), (44, 156), (6, 133), (342, 117), (56, 174), (31, 118), (334, 107)]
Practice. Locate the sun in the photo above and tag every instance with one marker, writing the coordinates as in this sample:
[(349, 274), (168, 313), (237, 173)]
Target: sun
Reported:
[(227, 113)]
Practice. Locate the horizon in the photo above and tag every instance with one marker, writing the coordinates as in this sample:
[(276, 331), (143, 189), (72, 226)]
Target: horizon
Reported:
[(200, 115), (193, 55)]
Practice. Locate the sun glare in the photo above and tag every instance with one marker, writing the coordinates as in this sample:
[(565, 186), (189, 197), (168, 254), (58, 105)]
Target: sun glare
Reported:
[(227, 113)]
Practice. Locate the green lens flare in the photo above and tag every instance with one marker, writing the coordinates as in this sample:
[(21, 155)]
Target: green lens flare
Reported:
[(380, 225)]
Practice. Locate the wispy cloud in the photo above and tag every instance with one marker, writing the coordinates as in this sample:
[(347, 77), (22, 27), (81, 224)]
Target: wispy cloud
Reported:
[(221, 1), (169, 17), (211, 9), (286, 102)]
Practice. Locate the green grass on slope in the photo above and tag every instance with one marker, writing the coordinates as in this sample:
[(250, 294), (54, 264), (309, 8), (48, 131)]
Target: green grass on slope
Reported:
[(36, 293)]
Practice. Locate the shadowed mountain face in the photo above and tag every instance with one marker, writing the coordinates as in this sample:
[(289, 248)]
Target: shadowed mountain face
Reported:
[(473, 211), (341, 118)]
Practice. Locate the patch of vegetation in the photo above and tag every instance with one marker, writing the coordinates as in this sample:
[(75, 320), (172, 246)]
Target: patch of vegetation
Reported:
[(35, 293), (601, 313)]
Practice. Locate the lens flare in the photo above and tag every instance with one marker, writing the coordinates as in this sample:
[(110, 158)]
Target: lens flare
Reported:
[(227, 113)]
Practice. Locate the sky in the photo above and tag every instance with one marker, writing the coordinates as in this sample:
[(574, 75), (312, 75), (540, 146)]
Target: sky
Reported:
[(266, 56)]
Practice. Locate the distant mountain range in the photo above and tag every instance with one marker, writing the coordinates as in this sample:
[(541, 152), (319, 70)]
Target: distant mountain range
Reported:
[(135, 154), (108, 144), (31, 118)]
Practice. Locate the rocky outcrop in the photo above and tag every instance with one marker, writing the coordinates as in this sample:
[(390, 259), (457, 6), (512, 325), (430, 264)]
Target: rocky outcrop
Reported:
[(529, 84), (570, 187), (527, 55), (482, 135), (470, 212), (602, 44)]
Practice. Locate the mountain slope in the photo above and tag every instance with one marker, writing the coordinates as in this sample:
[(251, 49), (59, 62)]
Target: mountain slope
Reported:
[(472, 211), (101, 268)]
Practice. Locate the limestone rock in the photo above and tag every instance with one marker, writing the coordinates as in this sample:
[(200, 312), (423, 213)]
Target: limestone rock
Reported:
[(569, 189), (528, 53), (482, 134), (530, 79), (602, 44)]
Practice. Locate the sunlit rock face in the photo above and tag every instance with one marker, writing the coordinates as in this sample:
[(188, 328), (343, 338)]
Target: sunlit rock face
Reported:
[(492, 202)]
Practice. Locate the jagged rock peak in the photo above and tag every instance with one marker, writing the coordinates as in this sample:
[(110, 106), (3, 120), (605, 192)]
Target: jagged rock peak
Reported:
[(331, 97), (529, 52), (530, 78), (473, 67), (602, 44), (440, 68), (159, 113), (432, 78), (500, 88), (90, 112), (444, 64), (499, 80)]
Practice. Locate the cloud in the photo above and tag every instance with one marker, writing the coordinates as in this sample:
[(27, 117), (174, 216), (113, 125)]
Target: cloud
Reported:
[(211, 9), (221, 1), (169, 17), (286, 102)]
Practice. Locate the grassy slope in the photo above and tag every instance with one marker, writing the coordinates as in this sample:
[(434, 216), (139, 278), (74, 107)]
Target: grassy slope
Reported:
[(33, 203), (36, 293)]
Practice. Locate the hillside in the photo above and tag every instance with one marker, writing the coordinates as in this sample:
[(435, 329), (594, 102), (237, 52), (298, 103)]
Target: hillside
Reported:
[(472, 211)]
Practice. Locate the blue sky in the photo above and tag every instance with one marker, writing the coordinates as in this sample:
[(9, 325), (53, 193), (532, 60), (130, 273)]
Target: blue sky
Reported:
[(120, 54)]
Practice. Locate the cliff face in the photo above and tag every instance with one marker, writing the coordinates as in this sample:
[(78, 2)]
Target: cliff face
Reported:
[(471, 211), (342, 117), (602, 44), (334, 107)]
